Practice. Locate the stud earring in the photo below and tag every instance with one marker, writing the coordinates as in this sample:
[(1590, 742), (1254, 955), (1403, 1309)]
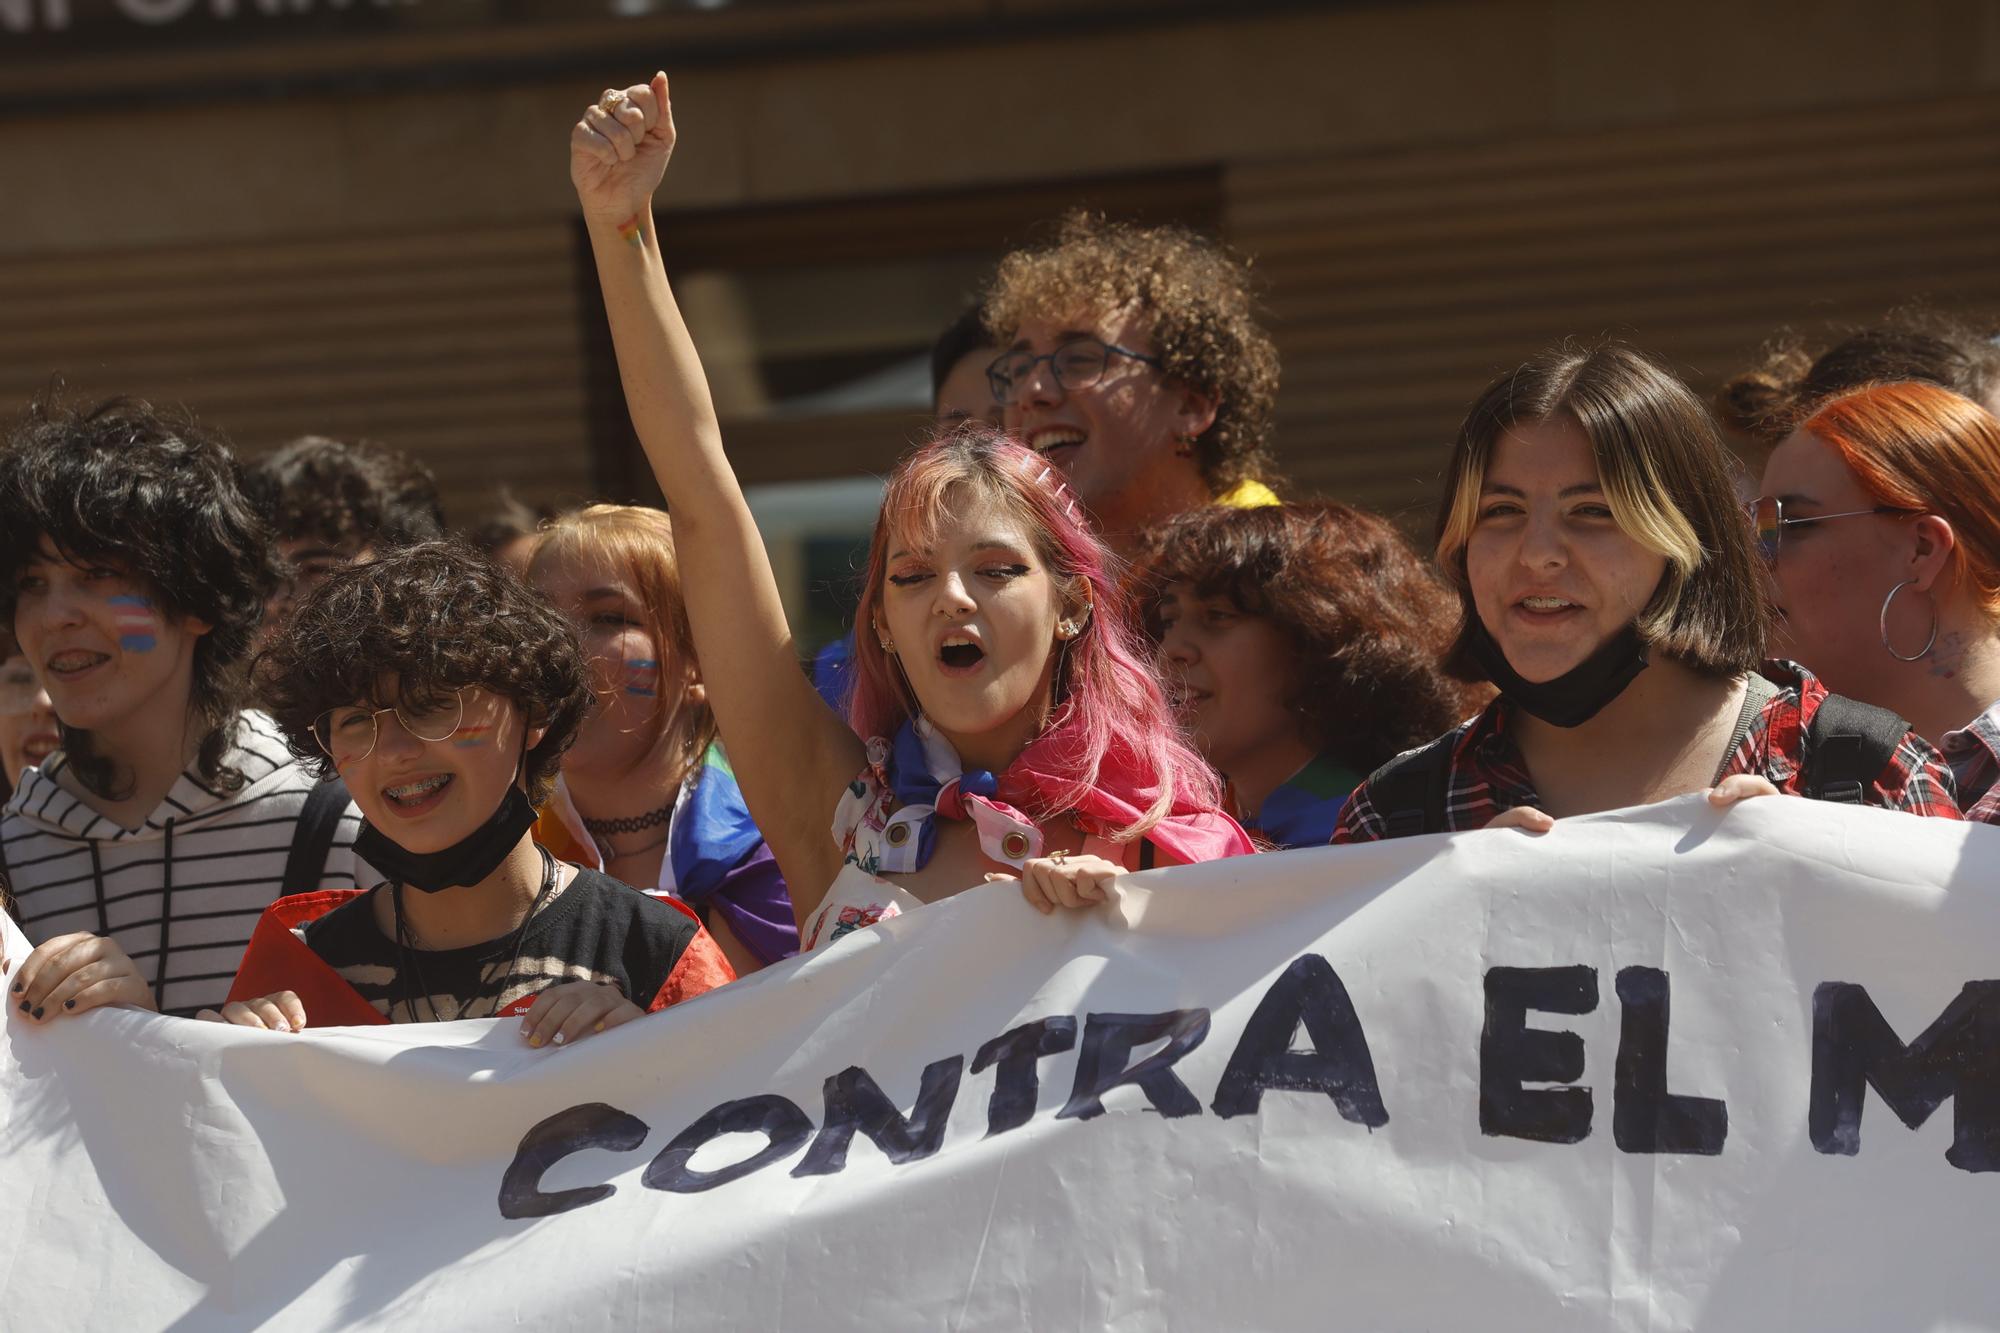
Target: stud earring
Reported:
[(1066, 629), (888, 644)]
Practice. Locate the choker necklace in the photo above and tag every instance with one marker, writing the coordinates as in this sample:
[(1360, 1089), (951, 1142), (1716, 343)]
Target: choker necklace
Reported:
[(631, 824)]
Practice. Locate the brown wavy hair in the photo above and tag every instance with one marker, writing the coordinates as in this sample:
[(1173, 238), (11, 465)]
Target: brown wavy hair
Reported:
[(1198, 304), (438, 616), (1367, 619), (1793, 379)]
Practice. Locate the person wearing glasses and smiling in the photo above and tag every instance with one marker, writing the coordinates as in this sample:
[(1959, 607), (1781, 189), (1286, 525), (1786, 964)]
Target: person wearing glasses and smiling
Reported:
[(1135, 364), (1610, 590), (1881, 519), (444, 692)]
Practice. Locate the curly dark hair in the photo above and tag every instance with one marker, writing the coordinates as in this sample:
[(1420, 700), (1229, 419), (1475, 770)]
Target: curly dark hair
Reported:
[(438, 616), (1196, 298), (510, 519), (343, 494), (1915, 344), (144, 489), (1367, 620)]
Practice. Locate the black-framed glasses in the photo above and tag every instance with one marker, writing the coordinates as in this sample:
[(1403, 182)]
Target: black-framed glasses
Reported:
[(349, 734), (1077, 364), (1767, 514)]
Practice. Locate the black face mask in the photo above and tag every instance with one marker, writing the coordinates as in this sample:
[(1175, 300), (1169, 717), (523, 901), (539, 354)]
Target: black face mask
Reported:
[(1578, 694), (466, 862)]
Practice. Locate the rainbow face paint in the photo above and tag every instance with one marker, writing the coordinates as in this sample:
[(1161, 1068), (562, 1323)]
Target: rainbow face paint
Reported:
[(642, 678), (467, 738), (134, 619)]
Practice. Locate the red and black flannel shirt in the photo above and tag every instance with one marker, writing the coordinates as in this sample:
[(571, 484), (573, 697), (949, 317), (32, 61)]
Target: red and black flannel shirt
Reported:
[(1974, 753), (1488, 775)]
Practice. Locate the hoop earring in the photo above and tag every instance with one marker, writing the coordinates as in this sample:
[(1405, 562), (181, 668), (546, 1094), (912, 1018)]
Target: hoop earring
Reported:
[(1922, 652)]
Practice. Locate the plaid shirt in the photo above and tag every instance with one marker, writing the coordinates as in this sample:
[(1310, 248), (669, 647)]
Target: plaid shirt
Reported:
[(1974, 753), (1488, 775)]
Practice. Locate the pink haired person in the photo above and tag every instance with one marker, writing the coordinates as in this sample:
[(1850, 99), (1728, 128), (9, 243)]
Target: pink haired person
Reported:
[(1017, 730)]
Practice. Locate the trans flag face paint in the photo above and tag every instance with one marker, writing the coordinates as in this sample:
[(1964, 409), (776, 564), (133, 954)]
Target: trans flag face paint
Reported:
[(642, 677), (138, 625)]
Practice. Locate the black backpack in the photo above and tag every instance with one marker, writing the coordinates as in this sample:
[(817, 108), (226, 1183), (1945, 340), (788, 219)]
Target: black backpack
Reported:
[(1847, 745)]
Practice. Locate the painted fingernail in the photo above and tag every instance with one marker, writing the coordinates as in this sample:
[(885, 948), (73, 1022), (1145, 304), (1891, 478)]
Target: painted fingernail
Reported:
[(598, 1028), (69, 1004), (38, 1011), (24, 1004), (283, 1026), (18, 985), (558, 1039), (534, 1041)]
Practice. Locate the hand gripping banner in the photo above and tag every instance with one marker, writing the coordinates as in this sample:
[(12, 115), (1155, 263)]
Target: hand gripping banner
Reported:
[(1664, 1069)]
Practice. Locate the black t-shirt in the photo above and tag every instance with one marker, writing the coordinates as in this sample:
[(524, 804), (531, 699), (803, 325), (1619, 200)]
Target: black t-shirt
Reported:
[(596, 929)]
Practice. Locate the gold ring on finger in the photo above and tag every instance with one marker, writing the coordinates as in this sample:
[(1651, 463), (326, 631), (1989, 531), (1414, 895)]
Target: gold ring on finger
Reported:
[(612, 102), (1059, 856)]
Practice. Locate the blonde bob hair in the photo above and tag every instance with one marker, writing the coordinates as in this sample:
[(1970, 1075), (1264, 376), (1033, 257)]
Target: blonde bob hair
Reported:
[(1667, 480), (639, 544)]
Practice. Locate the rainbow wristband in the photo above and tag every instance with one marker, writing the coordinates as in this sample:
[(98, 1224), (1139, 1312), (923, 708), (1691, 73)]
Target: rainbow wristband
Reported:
[(634, 231)]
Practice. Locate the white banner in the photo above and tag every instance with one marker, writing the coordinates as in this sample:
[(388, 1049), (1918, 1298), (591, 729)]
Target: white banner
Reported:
[(1657, 1070)]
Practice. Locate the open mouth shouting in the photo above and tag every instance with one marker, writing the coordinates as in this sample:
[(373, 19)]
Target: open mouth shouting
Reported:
[(1059, 444), (960, 655), (417, 795), (39, 746)]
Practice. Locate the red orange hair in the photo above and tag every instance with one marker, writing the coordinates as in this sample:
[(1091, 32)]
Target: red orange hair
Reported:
[(1919, 447)]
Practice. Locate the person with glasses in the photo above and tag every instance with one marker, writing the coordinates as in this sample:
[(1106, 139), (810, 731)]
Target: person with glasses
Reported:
[(133, 572), (444, 691), (1609, 589), (28, 727), (1881, 522), (1134, 362)]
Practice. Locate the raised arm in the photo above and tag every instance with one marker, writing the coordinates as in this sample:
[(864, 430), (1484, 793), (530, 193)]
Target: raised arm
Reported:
[(792, 754)]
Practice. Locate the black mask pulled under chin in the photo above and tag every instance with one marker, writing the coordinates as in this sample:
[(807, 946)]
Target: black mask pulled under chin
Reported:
[(466, 862), (1578, 694)]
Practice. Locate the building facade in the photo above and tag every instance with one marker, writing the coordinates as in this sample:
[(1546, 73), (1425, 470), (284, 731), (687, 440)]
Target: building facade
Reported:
[(355, 218)]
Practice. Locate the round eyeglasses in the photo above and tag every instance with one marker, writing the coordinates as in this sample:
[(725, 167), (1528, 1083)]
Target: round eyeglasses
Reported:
[(1767, 514), (1077, 364), (348, 735)]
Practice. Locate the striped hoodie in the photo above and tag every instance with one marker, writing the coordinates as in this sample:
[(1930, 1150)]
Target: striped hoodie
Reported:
[(182, 892)]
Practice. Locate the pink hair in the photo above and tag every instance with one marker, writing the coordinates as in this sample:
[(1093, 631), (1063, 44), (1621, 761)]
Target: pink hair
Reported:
[(1106, 696)]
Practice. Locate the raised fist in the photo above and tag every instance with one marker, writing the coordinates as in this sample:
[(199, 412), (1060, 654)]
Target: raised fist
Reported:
[(618, 152)]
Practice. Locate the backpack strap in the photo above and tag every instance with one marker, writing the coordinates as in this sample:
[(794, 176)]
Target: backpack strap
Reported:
[(1848, 744), (312, 836), (1410, 789)]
